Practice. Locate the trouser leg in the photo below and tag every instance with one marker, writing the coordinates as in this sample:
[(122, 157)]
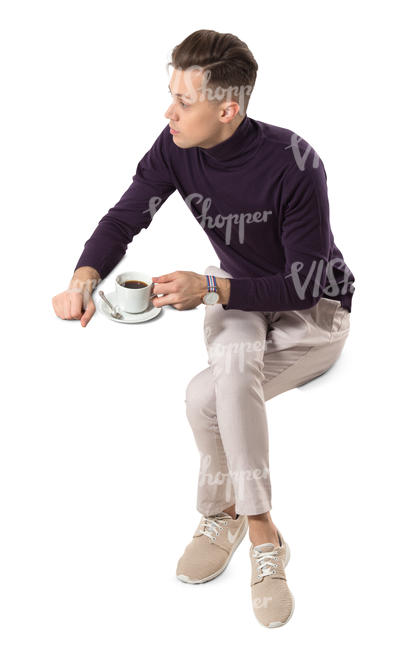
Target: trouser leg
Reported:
[(235, 342), (215, 488), (249, 363)]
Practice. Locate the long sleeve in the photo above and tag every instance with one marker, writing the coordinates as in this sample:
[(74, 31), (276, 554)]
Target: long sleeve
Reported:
[(151, 186), (305, 238)]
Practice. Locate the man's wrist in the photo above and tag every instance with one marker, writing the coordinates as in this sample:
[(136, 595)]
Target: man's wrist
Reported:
[(85, 277), (223, 290)]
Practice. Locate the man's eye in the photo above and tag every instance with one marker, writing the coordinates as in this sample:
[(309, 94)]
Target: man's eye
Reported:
[(180, 102)]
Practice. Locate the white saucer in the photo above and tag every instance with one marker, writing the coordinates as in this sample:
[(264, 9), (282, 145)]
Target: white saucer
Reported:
[(149, 313)]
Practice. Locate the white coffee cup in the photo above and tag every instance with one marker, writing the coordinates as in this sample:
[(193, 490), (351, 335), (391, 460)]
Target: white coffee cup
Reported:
[(131, 300)]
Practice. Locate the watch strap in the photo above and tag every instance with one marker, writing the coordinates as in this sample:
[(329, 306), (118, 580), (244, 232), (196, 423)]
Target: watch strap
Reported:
[(211, 284)]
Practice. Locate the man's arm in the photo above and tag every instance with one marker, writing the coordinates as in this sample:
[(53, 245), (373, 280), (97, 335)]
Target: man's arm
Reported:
[(151, 186), (305, 237)]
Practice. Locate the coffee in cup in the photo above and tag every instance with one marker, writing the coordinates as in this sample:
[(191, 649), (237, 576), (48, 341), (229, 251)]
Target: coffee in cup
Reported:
[(133, 284), (134, 290)]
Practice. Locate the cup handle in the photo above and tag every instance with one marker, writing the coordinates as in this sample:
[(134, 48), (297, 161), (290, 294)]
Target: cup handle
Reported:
[(153, 295)]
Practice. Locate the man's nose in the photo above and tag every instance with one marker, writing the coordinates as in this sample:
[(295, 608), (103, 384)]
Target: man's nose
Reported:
[(169, 113)]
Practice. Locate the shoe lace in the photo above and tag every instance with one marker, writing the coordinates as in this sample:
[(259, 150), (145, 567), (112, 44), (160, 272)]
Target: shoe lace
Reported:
[(211, 527), (264, 561)]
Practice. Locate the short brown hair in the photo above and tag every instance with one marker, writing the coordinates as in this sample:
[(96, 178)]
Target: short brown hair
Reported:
[(229, 64)]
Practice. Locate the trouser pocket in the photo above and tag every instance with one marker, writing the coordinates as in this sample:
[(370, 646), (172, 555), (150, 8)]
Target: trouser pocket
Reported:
[(325, 313), (341, 322)]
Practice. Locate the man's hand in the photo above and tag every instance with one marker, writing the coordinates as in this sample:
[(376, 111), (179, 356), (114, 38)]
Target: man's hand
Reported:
[(185, 289), (76, 302)]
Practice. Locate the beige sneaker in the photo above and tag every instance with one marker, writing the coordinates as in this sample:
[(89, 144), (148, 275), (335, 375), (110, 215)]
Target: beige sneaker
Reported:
[(273, 603), (213, 544)]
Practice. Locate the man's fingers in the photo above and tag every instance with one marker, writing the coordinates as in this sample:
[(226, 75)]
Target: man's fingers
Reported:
[(75, 305), (163, 287), (169, 299), (164, 278)]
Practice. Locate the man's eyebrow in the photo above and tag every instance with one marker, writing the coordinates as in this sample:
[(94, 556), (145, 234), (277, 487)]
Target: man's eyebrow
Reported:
[(179, 95)]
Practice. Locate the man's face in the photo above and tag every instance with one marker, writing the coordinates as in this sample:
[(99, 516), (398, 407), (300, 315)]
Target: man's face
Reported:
[(198, 120)]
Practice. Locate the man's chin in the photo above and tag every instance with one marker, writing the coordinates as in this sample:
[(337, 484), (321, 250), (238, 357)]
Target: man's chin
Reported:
[(181, 144), (180, 141)]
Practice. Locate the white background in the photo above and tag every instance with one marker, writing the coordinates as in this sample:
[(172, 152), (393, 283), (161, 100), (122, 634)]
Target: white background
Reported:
[(98, 466)]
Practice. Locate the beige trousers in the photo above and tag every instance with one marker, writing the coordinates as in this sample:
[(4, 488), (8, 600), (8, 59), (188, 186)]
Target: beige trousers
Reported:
[(252, 356)]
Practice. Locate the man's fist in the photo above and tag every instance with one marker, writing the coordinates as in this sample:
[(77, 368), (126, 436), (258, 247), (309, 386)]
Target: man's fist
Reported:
[(74, 304)]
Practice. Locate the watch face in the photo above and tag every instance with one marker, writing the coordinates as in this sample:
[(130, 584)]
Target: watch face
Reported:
[(211, 298)]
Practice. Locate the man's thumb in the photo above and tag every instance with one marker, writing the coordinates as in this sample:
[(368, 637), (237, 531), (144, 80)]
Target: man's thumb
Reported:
[(88, 313)]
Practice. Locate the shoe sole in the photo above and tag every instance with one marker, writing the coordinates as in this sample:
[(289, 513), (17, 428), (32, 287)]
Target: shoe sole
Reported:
[(280, 623), (188, 580)]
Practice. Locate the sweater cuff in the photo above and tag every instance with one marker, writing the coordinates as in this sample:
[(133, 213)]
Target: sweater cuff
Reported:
[(236, 296), (88, 260)]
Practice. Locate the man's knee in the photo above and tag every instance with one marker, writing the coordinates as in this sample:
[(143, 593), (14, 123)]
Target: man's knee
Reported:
[(198, 390)]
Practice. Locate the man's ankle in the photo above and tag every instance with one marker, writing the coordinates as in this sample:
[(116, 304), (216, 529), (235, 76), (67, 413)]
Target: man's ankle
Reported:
[(231, 511), (262, 529)]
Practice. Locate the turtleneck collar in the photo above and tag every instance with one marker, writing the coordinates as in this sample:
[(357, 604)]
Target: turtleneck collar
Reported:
[(243, 141)]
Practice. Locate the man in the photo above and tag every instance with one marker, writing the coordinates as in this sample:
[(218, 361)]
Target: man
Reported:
[(277, 310)]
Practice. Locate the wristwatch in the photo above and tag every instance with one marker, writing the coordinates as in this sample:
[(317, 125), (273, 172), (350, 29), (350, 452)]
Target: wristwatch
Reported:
[(212, 295)]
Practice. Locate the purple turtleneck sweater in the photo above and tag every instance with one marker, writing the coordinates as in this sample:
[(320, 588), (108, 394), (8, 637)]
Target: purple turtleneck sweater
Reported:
[(261, 198)]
